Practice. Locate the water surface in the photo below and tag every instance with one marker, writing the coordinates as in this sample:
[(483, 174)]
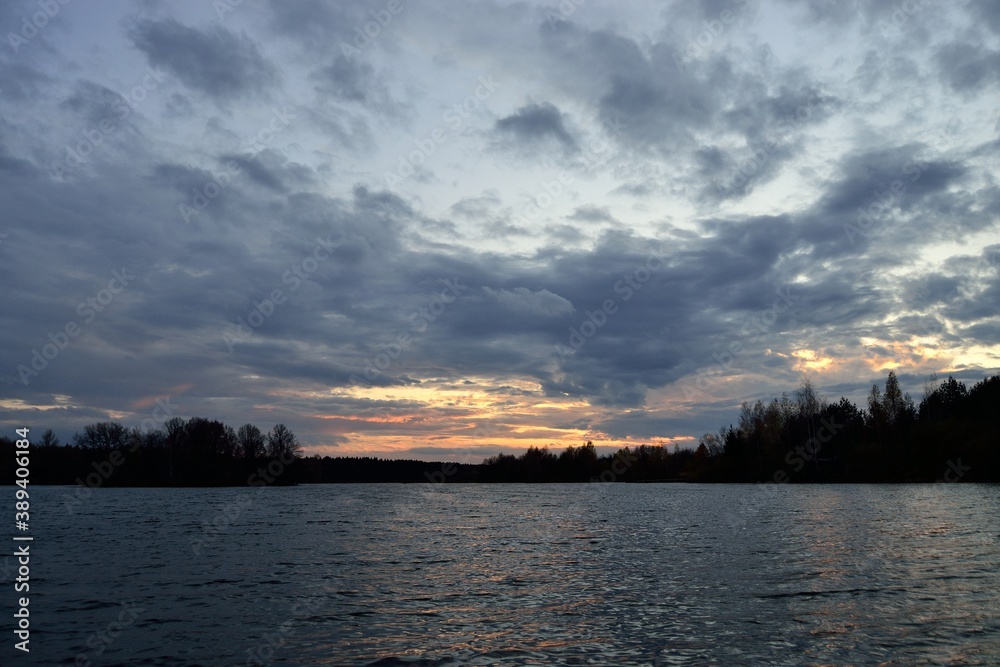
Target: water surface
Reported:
[(585, 574)]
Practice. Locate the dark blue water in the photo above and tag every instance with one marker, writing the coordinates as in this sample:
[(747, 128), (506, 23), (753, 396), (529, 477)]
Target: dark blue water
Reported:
[(589, 574)]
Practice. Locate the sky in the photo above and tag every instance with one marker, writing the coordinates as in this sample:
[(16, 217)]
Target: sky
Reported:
[(440, 230)]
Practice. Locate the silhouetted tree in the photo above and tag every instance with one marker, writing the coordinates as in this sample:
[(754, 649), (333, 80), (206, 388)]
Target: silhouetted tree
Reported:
[(102, 435), (892, 399), (712, 443), (942, 402), (250, 442), (153, 439), (876, 412), (579, 463), (281, 442), (49, 439), (537, 464), (174, 428), (204, 437)]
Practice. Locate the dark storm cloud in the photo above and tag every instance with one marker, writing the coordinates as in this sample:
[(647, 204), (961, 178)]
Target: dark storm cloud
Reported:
[(873, 188), (969, 67), (216, 62), (862, 176), (535, 123)]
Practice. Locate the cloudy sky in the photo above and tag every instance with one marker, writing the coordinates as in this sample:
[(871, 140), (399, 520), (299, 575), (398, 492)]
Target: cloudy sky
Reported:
[(444, 229)]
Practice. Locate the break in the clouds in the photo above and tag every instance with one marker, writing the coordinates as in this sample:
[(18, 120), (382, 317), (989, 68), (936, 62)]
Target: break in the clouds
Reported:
[(444, 229)]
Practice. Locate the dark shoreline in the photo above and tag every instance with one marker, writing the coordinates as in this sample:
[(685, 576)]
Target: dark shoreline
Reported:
[(952, 436)]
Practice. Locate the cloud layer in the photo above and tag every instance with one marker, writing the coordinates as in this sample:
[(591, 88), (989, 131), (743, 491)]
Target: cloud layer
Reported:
[(456, 228)]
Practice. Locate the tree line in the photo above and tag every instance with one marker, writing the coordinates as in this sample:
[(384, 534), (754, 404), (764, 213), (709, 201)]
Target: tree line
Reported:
[(952, 434), (195, 452)]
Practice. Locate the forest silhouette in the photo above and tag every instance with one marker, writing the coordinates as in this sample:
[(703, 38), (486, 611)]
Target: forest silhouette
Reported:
[(951, 435)]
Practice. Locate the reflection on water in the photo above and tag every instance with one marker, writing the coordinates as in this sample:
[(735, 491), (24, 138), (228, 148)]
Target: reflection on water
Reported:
[(601, 574)]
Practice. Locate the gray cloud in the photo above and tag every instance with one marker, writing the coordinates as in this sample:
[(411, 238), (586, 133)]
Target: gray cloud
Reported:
[(215, 61), (535, 123), (968, 67)]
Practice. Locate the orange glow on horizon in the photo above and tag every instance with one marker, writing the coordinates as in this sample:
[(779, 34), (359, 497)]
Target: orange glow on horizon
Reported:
[(811, 360), (470, 419)]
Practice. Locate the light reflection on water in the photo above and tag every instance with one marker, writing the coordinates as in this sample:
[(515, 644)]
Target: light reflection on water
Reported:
[(602, 574)]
